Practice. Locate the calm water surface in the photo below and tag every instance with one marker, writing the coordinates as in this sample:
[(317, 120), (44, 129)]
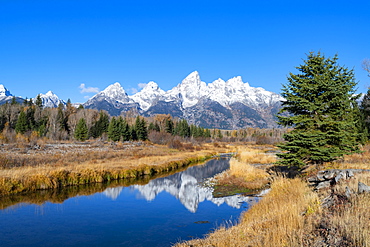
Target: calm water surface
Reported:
[(160, 213)]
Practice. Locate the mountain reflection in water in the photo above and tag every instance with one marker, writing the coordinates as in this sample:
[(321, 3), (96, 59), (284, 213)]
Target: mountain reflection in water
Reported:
[(186, 186), (159, 213)]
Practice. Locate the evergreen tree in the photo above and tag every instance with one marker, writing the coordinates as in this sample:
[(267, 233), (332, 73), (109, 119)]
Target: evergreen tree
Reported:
[(154, 126), (30, 115), (14, 101), (320, 103), (62, 118), (125, 131), (207, 133), (141, 130), (169, 126), (81, 132), (42, 123), (182, 128), (39, 101), (133, 135), (114, 133), (21, 125), (365, 112), (151, 126), (100, 126)]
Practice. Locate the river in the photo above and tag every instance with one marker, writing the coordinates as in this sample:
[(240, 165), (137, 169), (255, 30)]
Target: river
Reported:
[(160, 213)]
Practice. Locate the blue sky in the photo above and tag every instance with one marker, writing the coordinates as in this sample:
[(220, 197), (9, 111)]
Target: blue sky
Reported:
[(60, 45)]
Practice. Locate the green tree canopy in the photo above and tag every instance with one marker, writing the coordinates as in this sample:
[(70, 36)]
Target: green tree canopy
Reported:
[(322, 108), (141, 129), (114, 133), (39, 101), (21, 126), (81, 131)]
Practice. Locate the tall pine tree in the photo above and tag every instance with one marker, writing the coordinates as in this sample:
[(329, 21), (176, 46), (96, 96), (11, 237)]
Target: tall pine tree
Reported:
[(320, 103), (114, 132), (21, 125), (81, 131)]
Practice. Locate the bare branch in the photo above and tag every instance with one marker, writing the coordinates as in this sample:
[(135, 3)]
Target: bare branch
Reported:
[(366, 65)]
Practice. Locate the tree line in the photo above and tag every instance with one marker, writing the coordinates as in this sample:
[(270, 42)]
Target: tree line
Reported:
[(67, 122)]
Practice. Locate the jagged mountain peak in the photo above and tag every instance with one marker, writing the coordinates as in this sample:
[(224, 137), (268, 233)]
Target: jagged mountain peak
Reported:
[(224, 104), (49, 93), (148, 95), (4, 92), (237, 82), (151, 86), (193, 76), (114, 90), (50, 99), (188, 91)]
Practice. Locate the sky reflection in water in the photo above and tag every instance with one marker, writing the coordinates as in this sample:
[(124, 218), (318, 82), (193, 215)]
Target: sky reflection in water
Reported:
[(159, 213)]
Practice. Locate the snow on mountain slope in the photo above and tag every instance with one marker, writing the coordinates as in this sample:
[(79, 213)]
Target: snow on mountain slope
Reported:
[(222, 104), (189, 91), (114, 94), (192, 89), (4, 92), (148, 95), (6, 96), (50, 100)]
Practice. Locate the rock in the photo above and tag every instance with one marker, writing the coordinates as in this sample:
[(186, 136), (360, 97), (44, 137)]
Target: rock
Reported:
[(363, 188), (348, 192), (350, 173), (339, 177), (329, 175), (323, 185), (328, 201)]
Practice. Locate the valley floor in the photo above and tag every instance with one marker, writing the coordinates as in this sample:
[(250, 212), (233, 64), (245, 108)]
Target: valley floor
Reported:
[(52, 165)]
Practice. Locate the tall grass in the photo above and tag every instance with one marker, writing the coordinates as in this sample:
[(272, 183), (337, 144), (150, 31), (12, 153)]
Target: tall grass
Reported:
[(281, 218), (245, 170), (250, 155), (97, 167), (243, 175), (350, 216)]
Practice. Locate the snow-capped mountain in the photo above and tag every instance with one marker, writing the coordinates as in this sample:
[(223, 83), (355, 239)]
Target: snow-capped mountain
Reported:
[(230, 104), (113, 99), (148, 95), (50, 100), (6, 96), (4, 92), (186, 187), (189, 91), (222, 104)]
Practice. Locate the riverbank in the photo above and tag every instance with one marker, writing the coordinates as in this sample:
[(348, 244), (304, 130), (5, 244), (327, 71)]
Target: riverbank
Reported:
[(294, 214), (59, 165)]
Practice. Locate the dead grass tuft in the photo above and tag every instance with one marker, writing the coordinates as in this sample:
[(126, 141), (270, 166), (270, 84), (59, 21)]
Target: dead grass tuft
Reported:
[(281, 218)]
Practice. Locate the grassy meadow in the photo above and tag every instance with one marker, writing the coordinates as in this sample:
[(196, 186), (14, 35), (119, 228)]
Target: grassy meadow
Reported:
[(74, 164), (292, 213)]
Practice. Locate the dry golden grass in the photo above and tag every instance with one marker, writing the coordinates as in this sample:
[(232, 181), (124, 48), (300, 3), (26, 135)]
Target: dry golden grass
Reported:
[(350, 216), (246, 171), (255, 156), (243, 171), (354, 221), (355, 161), (281, 218), (243, 175), (72, 167)]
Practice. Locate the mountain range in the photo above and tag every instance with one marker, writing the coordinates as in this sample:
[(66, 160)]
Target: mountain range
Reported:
[(230, 104)]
